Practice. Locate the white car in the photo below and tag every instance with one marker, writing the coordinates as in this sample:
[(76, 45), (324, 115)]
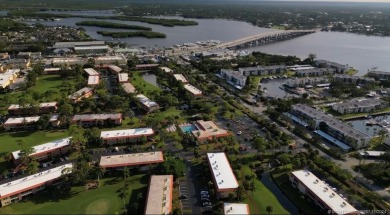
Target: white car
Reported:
[(239, 132)]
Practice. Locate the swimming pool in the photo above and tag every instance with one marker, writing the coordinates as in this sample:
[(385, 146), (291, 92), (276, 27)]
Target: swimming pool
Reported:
[(188, 128)]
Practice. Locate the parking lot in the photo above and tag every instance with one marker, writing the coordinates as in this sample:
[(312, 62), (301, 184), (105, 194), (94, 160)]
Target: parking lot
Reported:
[(184, 195)]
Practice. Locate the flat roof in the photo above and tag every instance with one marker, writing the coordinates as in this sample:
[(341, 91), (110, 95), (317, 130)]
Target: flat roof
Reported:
[(324, 192), (115, 68), (41, 105), (91, 71), (73, 44), (129, 88), (14, 187), (159, 195), (222, 172), (116, 57), (131, 159), (68, 60), (166, 69), (208, 129), (180, 77), (126, 133), (93, 80), (235, 208), (50, 146), (20, 120), (52, 69), (193, 90), (358, 103), (372, 153), (90, 47), (146, 101), (92, 117), (123, 77), (330, 121)]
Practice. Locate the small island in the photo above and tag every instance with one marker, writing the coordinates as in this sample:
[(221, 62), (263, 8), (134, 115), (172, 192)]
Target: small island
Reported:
[(104, 24), (158, 21), (146, 34)]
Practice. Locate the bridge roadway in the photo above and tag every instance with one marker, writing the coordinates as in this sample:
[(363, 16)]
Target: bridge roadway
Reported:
[(257, 39)]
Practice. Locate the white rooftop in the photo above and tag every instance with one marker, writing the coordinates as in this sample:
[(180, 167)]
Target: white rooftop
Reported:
[(324, 192), (93, 80), (166, 69), (90, 47), (193, 90), (46, 147), (372, 153), (41, 105), (123, 77), (146, 101), (180, 77), (20, 120), (129, 88), (222, 172), (126, 133), (235, 208), (31, 181), (131, 159), (159, 195), (91, 71)]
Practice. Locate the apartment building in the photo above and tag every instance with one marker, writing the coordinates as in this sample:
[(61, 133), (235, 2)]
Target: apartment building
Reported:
[(159, 199), (45, 107), (126, 136), (147, 104), (80, 94), (97, 120), (134, 159), (359, 106)]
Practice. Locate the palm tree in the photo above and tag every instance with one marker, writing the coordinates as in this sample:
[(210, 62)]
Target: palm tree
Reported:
[(123, 194), (126, 173), (99, 171), (269, 209)]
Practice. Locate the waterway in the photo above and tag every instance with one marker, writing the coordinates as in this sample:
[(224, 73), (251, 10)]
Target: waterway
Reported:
[(150, 78), (359, 51), (272, 88), (360, 124), (3, 13)]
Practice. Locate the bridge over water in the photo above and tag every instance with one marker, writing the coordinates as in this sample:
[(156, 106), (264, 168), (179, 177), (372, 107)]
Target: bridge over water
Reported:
[(255, 40)]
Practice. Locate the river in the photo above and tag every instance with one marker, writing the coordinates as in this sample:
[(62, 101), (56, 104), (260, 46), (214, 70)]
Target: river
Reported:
[(359, 51)]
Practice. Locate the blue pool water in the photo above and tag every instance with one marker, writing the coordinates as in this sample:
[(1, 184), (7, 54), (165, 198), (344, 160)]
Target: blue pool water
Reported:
[(188, 128)]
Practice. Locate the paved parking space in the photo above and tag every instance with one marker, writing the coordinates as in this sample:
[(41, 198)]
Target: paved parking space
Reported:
[(183, 190)]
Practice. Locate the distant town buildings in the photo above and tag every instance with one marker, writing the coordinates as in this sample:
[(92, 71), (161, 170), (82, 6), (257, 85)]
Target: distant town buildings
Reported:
[(159, 200), (224, 180), (14, 190), (98, 120), (88, 47), (359, 106), (126, 136), (321, 194)]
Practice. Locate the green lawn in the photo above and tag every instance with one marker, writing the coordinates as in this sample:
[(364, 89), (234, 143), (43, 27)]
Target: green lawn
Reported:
[(262, 198), (103, 200), (293, 194), (141, 85), (48, 82), (9, 141)]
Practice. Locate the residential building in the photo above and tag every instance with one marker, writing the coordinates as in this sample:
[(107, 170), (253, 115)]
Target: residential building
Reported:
[(26, 123), (46, 107), (359, 105), (358, 80), (91, 49), (18, 63), (49, 71), (263, 70), (126, 136), (123, 77), (117, 59), (315, 72), (193, 90), (29, 55), (58, 62), (82, 93), (146, 66), (159, 200), (330, 128), (93, 80), (302, 82), (339, 68), (147, 104), (321, 193), (380, 74), (224, 180), (207, 130), (91, 72), (235, 209), (114, 69), (235, 78), (8, 77), (97, 120), (134, 159), (180, 77), (14, 190), (47, 150), (129, 88), (72, 45)]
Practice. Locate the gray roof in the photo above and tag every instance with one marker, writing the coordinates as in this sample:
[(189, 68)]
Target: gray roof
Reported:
[(359, 103)]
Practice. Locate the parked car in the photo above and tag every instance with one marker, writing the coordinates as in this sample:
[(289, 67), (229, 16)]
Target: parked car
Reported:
[(205, 204), (183, 197), (204, 192), (205, 200)]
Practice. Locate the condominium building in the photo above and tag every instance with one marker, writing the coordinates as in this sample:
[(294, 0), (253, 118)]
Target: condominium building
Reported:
[(93, 80), (136, 159), (224, 180), (126, 136), (263, 70), (193, 90), (180, 77), (321, 194), (359, 80), (14, 190), (117, 59), (207, 130), (58, 62), (123, 77), (159, 200), (98, 120), (91, 72), (128, 87), (146, 66), (46, 107), (315, 72), (359, 106), (339, 68), (26, 123), (235, 78), (82, 93), (147, 104), (47, 150), (114, 69), (330, 128)]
